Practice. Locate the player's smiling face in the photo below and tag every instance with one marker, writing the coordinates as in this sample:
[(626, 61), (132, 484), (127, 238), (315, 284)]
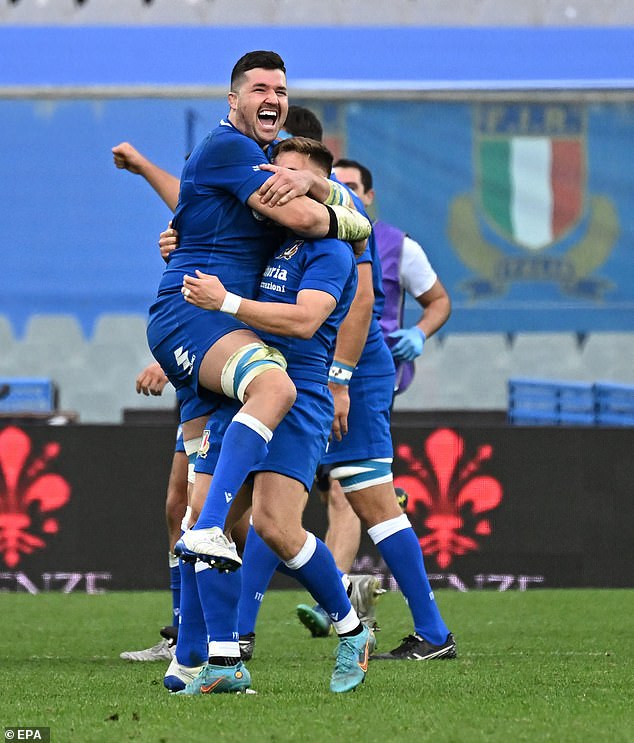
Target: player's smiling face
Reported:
[(260, 104)]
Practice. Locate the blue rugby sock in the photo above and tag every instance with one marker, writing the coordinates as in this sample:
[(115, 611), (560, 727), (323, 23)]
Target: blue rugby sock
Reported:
[(219, 595), (191, 648), (243, 446), (403, 556), (175, 588), (259, 562), (315, 569)]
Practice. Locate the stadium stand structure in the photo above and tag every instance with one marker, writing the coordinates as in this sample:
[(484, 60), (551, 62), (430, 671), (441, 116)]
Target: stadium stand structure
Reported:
[(323, 12), (94, 377), (461, 371), (472, 371), (95, 374), (547, 354)]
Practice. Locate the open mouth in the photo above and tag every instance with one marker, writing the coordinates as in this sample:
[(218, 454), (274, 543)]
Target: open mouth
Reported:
[(268, 118)]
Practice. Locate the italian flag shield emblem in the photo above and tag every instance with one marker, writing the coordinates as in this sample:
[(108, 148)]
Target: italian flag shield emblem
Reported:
[(531, 185)]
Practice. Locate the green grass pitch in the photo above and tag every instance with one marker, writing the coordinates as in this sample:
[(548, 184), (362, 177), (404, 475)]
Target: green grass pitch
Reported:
[(541, 665)]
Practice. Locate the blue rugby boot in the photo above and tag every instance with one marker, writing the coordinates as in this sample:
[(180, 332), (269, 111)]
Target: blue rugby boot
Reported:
[(219, 680), (351, 665)]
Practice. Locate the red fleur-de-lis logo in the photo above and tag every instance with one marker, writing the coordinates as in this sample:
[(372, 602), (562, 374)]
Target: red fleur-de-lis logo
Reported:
[(450, 493), (28, 495)]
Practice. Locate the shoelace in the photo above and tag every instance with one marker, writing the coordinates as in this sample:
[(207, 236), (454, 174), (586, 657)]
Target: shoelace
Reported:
[(347, 655), (160, 645), (409, 642)]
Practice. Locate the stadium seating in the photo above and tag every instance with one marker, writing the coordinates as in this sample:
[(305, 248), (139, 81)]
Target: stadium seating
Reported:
[(610, 356), (94, 377), (614, 404), (460, 371), (542, 354), (27, 395), (6, 336), (552, 402), (126, 329), (545, 402)]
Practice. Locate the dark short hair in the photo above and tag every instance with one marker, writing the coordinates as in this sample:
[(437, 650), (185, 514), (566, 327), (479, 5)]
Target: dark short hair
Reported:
[(315, 150), (254, 60), (366, 176), (302, 122)]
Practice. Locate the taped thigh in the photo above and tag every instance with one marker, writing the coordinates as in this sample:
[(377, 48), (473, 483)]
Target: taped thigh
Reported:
[(246, 364), (362, 474)]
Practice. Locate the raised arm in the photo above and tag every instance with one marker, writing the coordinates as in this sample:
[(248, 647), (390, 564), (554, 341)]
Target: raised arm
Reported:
[(166, 185)]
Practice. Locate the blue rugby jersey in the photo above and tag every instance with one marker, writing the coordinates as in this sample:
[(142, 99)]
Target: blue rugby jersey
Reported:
[(324, 265), (218, 233)]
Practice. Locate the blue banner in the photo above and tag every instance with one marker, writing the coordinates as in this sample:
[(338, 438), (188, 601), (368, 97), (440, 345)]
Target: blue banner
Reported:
[(566, 263), (524, 208)]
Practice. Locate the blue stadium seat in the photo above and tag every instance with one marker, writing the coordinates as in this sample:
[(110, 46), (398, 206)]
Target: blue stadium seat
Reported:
[(27, 395), (614, 404), (546, 402)]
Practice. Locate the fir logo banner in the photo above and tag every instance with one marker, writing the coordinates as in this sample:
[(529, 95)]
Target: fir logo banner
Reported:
[(530, 217)]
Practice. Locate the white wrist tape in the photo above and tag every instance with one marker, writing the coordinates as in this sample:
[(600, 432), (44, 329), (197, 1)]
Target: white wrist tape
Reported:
[(231, 303), (340, 373)]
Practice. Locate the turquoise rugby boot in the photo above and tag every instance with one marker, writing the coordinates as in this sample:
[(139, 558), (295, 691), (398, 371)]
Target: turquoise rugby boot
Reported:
[(219, 680), (315, 619), (351, 664)]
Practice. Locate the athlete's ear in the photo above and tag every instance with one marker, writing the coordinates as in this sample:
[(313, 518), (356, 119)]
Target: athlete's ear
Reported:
[(233, 100)]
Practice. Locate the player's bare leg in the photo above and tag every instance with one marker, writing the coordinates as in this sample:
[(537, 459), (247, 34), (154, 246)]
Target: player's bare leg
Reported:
[(239, 366)]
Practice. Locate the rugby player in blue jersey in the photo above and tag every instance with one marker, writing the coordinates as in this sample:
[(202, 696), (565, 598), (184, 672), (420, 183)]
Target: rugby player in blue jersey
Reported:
[(299, 122), (225, 229), (304, 295), (360, 454)]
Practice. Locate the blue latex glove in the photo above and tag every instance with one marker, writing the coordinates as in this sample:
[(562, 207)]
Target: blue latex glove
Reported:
[(410, 343)]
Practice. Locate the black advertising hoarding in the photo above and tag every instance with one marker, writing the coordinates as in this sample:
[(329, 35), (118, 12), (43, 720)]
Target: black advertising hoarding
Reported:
[(515, 507), (500, 507), (83, 507)]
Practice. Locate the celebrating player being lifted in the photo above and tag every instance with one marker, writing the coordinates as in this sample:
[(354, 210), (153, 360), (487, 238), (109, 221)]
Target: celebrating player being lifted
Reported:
[(226, 230)]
